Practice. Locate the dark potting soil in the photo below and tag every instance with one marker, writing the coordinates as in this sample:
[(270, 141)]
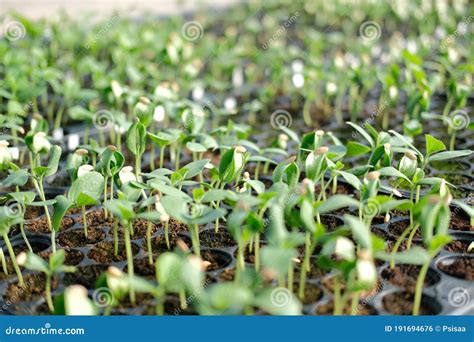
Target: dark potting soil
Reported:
[(460, 221), (331, 222), (76, 237), (398, 227), (33, 288), (73, 257), (315, 272), (158, 243), (312, 293), (36, 246), (40, 225), (401, 303), (11, 270), (209, 238), (33, 212), (103, 252), (140, 299), (95, 218), (218, 261), (459, 246), (405, 276), (142, 268), (139, 229), (227, 275), (460, 267), (342, 189), (362, 309), (85, 275)]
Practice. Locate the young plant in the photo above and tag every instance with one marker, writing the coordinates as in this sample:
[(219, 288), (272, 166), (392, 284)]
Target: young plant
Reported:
[(10, 217), (54, 267)]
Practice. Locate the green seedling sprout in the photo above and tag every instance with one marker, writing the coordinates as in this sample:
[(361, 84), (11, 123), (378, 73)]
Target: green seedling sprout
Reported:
[(55, 266), (9, 217)]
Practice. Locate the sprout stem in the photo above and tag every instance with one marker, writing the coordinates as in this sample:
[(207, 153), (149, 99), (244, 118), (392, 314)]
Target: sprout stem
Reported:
[(13, 259), (49, 298), (419, 287), (128, 249), (84, 220)]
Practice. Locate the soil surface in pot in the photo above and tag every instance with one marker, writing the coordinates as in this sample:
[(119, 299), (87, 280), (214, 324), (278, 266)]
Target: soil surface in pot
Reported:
[(36, 246), (40, 225), (76, 237), (398, 227), (158, 243), (405, 276), (460, 221), (73, 257), (33, 289), (142, 268), (362, 309), (459, 246), (209, 238), (85, 275), (140, 228), (217, 260), (312, 293), (103, 252), (461, 267), (401, 303)]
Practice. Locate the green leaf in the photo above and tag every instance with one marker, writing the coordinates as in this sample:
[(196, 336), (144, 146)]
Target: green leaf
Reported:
[(168, 190), (355, 149), (450, 155), (360, 231), (136, 138), (195, 147), (60, 208), (439, 241), (56, 260), (256, 185), (16, 178), (351, 179), (24, 197), (36, 263), (390, 171), (226, 166), (195, 167), (363, 133), (54, 156), (414, 256), (433, 145), (336, 202), (90, 184)]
